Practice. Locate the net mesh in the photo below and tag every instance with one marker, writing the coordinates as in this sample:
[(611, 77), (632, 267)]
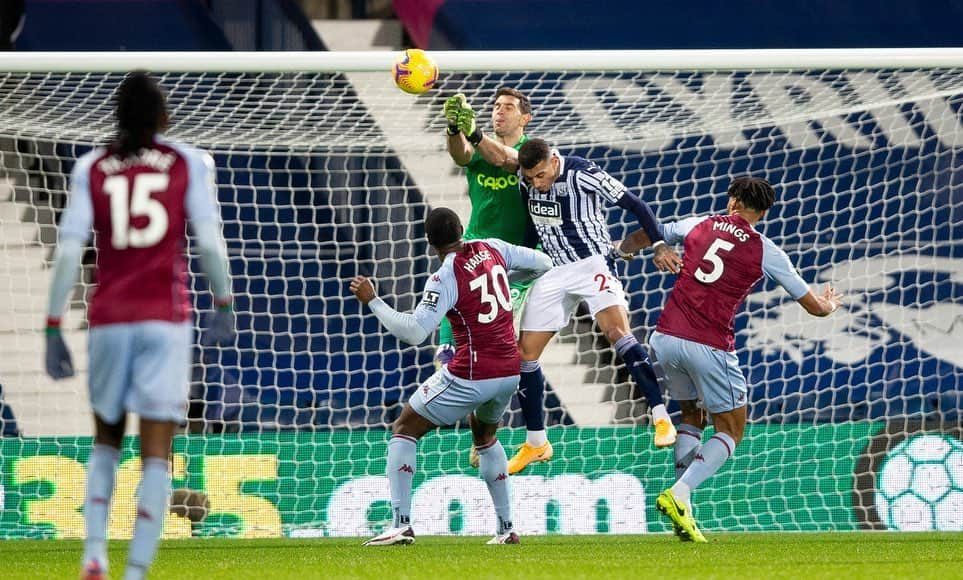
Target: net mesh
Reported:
[(324, 176)]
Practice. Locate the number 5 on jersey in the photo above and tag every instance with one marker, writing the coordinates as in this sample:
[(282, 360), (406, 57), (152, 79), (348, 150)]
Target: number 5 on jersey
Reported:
[(712, 256), (494, 292)]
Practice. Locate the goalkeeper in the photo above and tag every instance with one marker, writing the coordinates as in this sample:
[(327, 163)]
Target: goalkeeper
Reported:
[(491, 165)]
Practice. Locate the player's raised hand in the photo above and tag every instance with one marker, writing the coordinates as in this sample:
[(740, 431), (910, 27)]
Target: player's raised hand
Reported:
[(453, 105), (58, 362), (220, 330), (466, 119), (833, 297), (363, 289), (666, 260)]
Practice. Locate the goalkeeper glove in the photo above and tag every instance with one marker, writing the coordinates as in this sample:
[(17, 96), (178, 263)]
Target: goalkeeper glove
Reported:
[(221, 327), (444, 355), (57, 357), (453, 106), (467, 125)]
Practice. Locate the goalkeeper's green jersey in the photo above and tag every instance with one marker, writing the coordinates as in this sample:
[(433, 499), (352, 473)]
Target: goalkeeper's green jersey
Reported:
[(497, 210)]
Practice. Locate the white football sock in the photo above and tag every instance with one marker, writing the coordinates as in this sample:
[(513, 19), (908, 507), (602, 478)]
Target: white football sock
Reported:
[(402, 457), (494, 470), (101, 470), (152, 498)]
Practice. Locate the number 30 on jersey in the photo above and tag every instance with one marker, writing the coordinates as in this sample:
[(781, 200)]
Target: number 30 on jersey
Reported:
[(494, 293)]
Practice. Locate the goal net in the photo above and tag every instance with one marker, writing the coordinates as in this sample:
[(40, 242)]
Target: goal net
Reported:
[(325, 170)]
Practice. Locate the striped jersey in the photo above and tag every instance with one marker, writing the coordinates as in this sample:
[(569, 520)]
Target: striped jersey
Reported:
[(570, 217)]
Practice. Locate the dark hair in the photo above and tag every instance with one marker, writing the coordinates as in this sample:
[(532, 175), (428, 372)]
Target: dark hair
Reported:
[(443, 227), (524, 105), (533, 152), (141, 112), (754, 192)]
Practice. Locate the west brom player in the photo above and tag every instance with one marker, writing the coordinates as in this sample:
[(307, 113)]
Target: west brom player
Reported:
[(724, 258), (471, 290), (566, 197), (137, 195)]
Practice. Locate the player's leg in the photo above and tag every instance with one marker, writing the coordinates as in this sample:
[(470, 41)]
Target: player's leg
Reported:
[(108, 377), (493, 460), (723, 389), (613, 321), (548, 309), (680, 386), (160, 372), (531, 399), (415, 420)]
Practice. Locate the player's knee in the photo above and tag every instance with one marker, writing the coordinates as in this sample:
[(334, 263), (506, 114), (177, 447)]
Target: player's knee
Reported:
[(529, 352), (615, 334)]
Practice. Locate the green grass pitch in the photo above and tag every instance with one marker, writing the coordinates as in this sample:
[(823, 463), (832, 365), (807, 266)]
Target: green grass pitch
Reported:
[(754, 555)]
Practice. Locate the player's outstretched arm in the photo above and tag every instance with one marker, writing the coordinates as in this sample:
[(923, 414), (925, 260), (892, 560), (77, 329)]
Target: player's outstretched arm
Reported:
[(459, 148), (492, 151), (406, 327), (524, 264), (822, 305)]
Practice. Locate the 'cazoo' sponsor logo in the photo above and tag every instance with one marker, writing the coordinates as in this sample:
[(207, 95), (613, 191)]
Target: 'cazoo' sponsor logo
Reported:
[(496, 183)]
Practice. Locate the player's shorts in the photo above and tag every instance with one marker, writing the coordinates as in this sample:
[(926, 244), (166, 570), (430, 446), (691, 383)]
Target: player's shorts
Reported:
[(141, 367), (519, 295), (697, 371), (444, 398), (555, 295)]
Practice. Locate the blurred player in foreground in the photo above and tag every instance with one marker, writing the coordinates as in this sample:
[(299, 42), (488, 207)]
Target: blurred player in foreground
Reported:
[(566, 197), (471, 289), (725, 257), (137, 194)]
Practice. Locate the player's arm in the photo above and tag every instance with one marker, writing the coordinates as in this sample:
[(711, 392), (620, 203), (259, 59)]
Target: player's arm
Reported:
[(75, 230), (524, 264), (459, 148), (492, 151), (414, 327), (777, 266), (205, 219), (672, 232), (615, 192)]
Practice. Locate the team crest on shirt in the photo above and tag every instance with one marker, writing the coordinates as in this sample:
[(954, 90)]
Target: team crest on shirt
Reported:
[(561, 189), (430, 300)]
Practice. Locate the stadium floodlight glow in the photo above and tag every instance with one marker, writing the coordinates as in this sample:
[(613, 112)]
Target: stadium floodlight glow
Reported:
[(325, 170)]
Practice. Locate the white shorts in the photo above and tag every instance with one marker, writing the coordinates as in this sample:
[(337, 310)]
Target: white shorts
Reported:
[(697, 371), (555, 295), (141, 367), (444, 398)]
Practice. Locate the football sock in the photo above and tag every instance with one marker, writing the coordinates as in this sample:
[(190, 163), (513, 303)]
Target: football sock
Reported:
[(714, 453), (101, 470), (155, 487), (531, 396), (401, 471), (494, 470), (687, 444), (638, 364)]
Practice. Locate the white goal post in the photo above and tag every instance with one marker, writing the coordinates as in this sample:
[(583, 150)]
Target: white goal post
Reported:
[(326, 169)]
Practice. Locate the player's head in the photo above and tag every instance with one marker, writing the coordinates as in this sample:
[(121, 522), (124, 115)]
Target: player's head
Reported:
[(511, 113), (443, 229), (141, 111), (539, 164), (750, 193)]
